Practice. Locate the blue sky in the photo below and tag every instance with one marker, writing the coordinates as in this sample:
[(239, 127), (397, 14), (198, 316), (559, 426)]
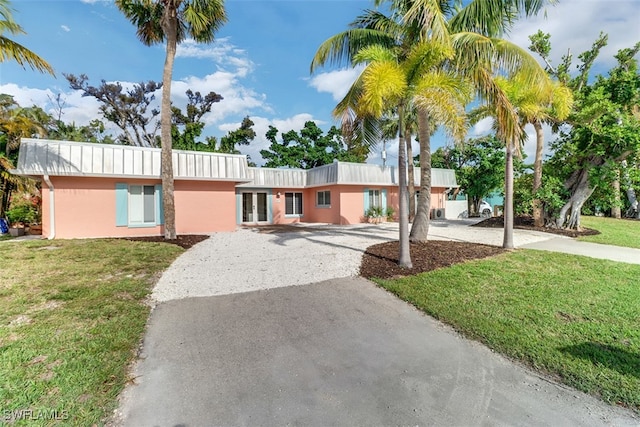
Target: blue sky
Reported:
[(260, 61)]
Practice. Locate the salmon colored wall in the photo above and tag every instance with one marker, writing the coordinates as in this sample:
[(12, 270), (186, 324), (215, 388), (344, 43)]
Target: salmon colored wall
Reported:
[(85, 207), (330, 215), (278, 205), (205, 206)]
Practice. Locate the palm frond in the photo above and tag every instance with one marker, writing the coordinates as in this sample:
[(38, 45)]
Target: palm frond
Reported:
[(493, 18), (384, 83), (341, 48), (203, 19), (374, 53), (428, 15)]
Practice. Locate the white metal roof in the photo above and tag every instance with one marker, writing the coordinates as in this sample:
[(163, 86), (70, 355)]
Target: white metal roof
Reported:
[(64, 158), (38, 157), (342, 173), (276, 178)]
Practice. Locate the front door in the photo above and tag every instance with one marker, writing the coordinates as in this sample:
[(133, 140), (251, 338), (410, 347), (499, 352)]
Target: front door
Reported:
[(254, 207)]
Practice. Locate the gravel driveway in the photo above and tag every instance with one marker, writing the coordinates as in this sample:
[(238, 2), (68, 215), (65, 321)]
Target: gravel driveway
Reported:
[(249, 260)]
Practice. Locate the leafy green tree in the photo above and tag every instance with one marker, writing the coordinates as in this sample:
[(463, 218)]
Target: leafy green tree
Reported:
[(605, 123), (16, 122), (10, 50), (187, 126), (241, 136), (307, 149), (479, 166), (171, 22)]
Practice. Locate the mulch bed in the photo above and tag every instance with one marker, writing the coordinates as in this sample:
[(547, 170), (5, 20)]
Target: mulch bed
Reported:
[(525, 222), (183, 240), (381, 260)]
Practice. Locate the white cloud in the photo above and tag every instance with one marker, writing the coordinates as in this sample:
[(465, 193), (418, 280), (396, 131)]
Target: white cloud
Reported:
[(221, 52), (482, 128), (337, 83), (65, 28)]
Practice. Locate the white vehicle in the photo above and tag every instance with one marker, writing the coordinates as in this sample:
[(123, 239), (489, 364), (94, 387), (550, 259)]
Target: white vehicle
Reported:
[(485, 209)]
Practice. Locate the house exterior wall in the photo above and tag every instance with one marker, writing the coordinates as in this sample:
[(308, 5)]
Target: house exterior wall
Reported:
[(86, 207), (204, 206), (279, 215)]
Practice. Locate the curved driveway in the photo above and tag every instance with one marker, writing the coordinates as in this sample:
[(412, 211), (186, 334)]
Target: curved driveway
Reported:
[(253, 350), (249, 260)]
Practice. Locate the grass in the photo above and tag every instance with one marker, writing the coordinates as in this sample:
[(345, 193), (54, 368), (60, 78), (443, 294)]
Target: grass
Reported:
[(573, 317), (618, 232), (72, 315)]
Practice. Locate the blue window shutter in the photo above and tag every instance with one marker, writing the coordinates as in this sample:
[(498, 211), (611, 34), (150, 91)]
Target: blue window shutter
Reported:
[(383, 198), (159, 205), (122, 205), (366, 200)]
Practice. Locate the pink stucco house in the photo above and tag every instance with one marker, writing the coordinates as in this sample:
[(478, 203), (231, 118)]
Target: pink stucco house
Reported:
[(99, 190)]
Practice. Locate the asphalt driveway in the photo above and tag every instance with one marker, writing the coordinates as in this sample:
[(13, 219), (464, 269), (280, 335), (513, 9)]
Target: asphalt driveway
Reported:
[(337, 352)]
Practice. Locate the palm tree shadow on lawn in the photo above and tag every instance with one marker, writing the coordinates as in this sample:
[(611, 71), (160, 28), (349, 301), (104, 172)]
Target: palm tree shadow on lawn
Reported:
[(616, 358)]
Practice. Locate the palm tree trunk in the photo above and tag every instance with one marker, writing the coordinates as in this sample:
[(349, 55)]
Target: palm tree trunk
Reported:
[(171, 32), (538, 217), (507, 242), (404, 255), (420, 227), (411, 176)]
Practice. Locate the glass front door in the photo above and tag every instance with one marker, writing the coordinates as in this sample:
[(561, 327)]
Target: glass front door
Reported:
[(254, 207)]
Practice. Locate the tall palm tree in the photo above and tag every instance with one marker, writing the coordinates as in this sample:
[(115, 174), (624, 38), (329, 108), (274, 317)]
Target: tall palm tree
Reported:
[(10, 50), (480, 54), (380, 33), (171, 22), (384, 83), (547, 101), (544, 104)]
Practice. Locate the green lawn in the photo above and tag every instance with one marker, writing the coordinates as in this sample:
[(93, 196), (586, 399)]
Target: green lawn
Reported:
[(618, 232), (72, 315), (573, 317)]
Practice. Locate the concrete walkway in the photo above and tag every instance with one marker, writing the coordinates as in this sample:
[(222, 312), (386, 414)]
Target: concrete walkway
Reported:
[(593, 250), (337, 352)]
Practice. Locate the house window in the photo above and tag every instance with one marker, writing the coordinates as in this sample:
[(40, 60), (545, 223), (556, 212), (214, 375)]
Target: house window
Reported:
[(293, 203), (323, 199), (138, 205), (142, 202), (375, 200)]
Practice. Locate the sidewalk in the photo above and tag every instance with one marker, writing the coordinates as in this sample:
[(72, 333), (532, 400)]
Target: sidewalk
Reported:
[(593, 250)]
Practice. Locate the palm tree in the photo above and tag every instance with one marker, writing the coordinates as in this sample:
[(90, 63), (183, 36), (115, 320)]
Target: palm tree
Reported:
[(375, 33), (171, 22), (384, 83), (480, 54), (10, 50), (545, 102), (548, 104)]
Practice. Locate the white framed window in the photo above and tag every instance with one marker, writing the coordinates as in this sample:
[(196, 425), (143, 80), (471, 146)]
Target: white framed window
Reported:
[(142, 205), (375, 199), (293, 203), (323, 199)]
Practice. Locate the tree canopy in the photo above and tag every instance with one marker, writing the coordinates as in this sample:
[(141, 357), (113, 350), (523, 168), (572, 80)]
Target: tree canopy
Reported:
[(308, 149), (604, 123)]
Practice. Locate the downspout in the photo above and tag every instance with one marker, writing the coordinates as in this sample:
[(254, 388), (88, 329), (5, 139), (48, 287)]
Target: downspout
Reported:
[(52, 208)]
